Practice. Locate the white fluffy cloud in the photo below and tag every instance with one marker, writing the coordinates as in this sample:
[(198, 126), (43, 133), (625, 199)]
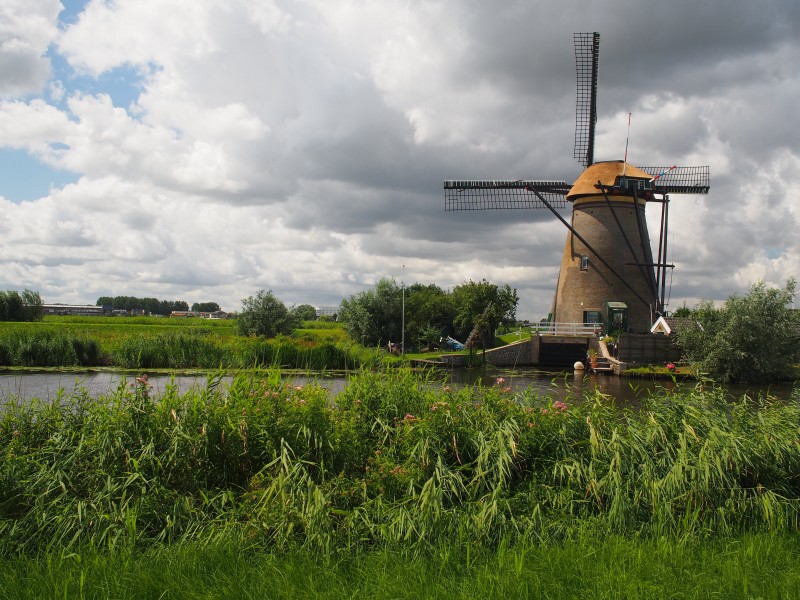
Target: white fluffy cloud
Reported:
[(300, 146), (26, 29)]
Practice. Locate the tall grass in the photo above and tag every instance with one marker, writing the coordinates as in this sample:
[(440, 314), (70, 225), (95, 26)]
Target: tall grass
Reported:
[(174, 348), (757, 566), (48, 348), (394, 460)]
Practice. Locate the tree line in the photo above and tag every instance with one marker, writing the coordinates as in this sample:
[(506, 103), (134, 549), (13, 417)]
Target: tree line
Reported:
[(26, 306), (429, 313), (154, 306), (377, 316)]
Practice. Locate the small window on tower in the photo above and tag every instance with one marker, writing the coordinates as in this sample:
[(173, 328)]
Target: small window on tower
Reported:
[(584, 262)]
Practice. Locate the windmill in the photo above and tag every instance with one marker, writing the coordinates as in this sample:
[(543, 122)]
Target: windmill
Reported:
[(608, 275)]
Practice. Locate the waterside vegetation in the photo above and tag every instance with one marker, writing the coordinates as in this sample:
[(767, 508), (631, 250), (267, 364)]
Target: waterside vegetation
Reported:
[(158, 343), (394, 462)]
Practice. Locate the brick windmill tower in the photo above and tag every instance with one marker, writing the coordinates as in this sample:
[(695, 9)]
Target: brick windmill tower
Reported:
[(608, 273)]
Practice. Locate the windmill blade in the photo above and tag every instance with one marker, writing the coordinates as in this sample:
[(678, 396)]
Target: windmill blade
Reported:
[(679, 180), (587, 54), (496, 194)]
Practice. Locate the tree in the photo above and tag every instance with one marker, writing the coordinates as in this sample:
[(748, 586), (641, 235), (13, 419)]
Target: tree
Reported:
[(486, 305), (305, 312), (752, 338), (374, 317), (264, 315), (32, 306), (10, 306), (152, 305), (429, 314), (24, 307), (683, 312), (205, 307)]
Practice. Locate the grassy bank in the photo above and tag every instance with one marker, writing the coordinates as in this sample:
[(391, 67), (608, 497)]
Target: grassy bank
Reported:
[(397, 460), (402, 488), (159, 343), (758, 566)]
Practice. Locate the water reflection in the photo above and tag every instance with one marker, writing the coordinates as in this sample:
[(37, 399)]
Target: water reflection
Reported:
[(557, 385), (46, 386), (623, 391)]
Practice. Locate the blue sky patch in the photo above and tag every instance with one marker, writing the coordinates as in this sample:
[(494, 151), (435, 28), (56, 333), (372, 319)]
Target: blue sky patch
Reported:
[(23, 177), (122, 84)]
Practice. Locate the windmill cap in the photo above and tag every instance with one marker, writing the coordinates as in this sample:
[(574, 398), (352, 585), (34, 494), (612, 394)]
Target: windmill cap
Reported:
[(605, 172)]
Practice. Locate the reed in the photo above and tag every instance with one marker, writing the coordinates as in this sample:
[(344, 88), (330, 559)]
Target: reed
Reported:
[(31, 347), (397, 459), (149, 343)]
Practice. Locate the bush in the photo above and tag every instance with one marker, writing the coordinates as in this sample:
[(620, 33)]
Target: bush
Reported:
[(265, 316), (752, 338)]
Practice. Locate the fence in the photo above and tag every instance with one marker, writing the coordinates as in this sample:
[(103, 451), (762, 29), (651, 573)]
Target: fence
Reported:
[(582, 329)]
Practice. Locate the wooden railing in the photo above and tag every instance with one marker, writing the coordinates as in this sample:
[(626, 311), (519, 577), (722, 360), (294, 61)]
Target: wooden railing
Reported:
[(582, 329)]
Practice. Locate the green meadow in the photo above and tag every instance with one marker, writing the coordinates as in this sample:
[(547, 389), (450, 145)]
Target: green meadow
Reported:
[(399, 486), (169, 343)]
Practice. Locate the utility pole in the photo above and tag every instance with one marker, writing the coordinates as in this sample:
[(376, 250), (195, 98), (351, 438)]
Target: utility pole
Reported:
[(403, 318)]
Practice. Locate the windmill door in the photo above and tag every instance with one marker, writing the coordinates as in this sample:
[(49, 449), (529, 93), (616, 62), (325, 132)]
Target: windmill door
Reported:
[(617, 317)]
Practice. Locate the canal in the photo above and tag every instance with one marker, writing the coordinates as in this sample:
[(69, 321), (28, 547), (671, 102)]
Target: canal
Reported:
[(555, 385)]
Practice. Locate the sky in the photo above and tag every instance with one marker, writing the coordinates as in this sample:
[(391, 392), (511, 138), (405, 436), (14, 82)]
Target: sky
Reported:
[(202, 150)]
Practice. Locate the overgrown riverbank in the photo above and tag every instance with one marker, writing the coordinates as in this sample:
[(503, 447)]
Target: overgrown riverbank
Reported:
[(484, 486), (149, 343), (396, 461)]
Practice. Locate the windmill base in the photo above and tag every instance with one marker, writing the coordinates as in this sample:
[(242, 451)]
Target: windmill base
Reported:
[(562, 351)]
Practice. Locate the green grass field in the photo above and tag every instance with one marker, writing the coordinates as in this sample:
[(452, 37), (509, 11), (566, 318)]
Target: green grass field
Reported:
[(748, 566), (164, 343)]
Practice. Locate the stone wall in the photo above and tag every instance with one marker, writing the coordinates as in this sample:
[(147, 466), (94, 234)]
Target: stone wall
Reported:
[(647, 349), (518, 354), (633, 349)]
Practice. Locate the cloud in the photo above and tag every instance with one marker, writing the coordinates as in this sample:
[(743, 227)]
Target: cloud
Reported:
[(27, 27), (300, 147)]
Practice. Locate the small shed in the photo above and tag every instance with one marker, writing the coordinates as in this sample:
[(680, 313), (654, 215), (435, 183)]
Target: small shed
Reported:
[(667, 325)]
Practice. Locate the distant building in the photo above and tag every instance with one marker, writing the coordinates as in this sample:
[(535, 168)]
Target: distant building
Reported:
[(327, 311), (85, 310), (184, 314)]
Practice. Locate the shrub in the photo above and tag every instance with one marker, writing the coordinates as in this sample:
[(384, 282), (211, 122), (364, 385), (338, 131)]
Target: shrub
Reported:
[(755, 337), (265, 316)]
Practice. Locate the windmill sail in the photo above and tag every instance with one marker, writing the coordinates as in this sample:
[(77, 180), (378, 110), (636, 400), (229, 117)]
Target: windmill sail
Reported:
[(609, 273), (496, 194), (679, 180), (587, 56)]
